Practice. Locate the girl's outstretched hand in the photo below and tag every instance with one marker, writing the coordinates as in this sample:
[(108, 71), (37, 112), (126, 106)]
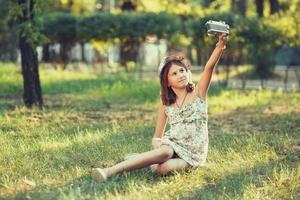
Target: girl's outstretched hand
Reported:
[(223, 38)]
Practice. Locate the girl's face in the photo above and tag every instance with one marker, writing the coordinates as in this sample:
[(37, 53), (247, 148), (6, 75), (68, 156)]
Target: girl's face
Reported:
[(177, 77)]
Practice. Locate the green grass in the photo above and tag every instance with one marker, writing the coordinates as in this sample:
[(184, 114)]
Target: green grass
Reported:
[(93, 120)]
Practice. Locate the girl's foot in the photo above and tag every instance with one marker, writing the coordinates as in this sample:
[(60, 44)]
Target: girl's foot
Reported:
[(99, 174), (154, 167)]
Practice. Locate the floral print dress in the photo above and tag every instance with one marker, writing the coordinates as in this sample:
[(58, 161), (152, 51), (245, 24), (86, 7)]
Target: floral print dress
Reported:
[(188, 133)]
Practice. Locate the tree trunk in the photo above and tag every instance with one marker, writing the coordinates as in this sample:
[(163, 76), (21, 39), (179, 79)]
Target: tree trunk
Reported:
[(129, 52), (183, 30), (198, 50), (298, 77), (243, 77), (262, 83), (129, 47), (64, 53), (227, 69), (128, 5), (32, 94), (242, 4), (207, 3), (190, 55), (274, 6), (82, 52), (46, 53), (286, 77), (259, 7), (239, 6)]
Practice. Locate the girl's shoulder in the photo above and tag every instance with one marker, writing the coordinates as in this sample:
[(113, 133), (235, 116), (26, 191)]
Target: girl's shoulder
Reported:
[(197, 93), (190, 100), (162, 107)]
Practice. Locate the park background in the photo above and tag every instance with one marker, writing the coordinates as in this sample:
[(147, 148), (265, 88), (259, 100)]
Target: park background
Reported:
[(79, 89)]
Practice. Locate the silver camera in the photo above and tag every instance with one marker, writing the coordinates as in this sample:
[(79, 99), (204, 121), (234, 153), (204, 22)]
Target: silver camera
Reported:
[(215, 27)]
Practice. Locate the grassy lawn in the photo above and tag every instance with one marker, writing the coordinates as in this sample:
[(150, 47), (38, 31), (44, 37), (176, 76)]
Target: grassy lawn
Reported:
[(93, 120)]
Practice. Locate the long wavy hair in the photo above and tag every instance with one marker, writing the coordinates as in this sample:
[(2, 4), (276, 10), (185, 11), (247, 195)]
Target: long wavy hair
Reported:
[(168, 96)]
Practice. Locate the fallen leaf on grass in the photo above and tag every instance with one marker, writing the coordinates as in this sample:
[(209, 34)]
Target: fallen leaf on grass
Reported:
[(28, 197), (30, 183), (297, 149)]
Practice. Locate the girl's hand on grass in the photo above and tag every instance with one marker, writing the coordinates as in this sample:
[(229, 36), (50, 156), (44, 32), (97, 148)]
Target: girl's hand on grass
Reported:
[(156, 142)]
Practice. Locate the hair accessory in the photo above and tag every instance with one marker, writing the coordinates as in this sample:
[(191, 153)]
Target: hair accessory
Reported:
[(167, 59)]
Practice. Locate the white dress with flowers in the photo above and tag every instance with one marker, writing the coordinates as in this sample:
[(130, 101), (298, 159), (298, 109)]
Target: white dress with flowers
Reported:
[(188, 133)]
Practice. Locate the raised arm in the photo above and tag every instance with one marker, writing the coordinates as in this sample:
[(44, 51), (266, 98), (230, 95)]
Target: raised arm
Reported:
[(203, 84)]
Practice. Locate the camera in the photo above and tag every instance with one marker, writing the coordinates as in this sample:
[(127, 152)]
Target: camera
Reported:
[(215, 27)]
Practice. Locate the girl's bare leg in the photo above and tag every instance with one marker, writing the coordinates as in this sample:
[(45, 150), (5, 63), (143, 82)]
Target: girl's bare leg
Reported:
[(156, 156), (173, 164), (153, 167)]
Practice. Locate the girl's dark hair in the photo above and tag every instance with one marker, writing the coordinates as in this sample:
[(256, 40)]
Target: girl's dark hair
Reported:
[(168, 96)]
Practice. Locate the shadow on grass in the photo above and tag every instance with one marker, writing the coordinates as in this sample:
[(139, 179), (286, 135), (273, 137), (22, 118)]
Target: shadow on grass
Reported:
[(9, 104), (86, 188), (233, 185), (236, 123), (278, 132)]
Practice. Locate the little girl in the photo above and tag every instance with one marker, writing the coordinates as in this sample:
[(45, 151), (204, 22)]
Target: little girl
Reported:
[(185, 144)]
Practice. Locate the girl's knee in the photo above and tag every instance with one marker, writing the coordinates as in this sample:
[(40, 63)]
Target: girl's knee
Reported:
[(162, 169), (166, 152), (171, 165)]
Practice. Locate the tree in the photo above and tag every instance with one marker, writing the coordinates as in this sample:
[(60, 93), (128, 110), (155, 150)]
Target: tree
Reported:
[(60, 27), (128, 5), (7, 36), (274, 6), (239, 6), (206, 3), (129, 47), (259, 7), (32, 94)]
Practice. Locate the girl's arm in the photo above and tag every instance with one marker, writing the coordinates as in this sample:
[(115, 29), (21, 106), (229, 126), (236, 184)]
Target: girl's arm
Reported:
[(160, 122), (203, 85)]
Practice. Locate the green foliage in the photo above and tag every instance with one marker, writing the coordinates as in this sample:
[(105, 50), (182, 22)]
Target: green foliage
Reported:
[(106, 26), (8, 37), (10, 28), (132, 28), (131, 25), (162, 25), (261, 43), (60, 28), (286, 23), (27, 24), (102, 26)]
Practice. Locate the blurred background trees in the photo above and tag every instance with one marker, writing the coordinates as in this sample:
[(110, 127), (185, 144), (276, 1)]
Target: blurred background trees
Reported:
[(136, 34)]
